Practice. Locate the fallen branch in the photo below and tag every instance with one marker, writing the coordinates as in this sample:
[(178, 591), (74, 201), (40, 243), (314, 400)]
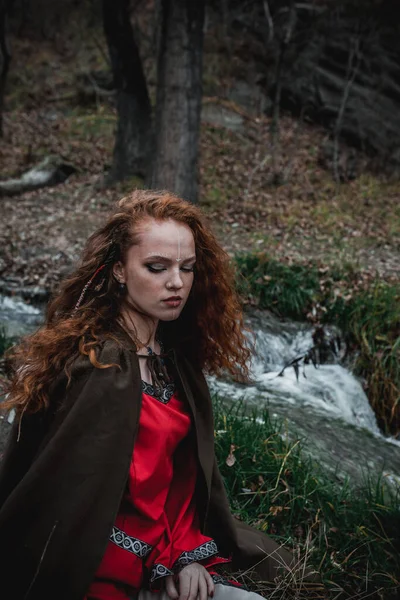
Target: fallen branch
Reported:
[(51, 171)]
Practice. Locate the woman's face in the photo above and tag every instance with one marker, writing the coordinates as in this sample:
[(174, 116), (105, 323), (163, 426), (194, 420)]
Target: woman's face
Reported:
[(158, 270)]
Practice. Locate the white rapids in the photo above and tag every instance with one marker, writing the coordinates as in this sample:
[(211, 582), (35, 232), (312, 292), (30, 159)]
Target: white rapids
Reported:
[(326, 406), (17, 317)]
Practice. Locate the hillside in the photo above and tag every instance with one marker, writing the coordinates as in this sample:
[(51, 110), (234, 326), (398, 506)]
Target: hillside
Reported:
[(305, 217)]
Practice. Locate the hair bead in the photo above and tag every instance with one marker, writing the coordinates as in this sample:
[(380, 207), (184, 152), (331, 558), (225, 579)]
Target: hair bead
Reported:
[(86, 287), (109, 259)]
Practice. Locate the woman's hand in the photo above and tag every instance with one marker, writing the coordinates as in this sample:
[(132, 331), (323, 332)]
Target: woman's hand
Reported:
[(194, 582)]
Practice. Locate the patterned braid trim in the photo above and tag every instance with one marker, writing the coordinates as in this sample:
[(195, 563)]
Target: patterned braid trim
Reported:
[(158, 570), (206, 550), (224, 581), (163, 395), (131, 544)]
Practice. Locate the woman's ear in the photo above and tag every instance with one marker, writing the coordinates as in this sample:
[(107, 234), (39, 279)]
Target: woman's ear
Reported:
[(118, 272)]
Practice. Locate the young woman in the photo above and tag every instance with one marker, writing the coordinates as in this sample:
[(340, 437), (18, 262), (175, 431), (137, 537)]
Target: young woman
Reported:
[(109, 488)]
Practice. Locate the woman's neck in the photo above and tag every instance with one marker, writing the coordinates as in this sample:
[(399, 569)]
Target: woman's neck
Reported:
[(141, 329)]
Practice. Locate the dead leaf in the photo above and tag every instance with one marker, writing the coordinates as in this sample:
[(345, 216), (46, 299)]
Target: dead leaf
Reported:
[(275, 510), (230, 460)]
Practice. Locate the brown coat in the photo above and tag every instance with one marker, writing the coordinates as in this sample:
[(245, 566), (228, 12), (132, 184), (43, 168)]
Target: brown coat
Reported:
[(61, 484)]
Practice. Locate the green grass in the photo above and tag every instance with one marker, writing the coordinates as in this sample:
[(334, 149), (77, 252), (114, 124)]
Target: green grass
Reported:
[(367, 312), (287, 291), (350, 535), (90, 124)]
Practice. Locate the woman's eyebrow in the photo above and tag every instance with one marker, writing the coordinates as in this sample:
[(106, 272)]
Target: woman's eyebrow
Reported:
[(168, 258)]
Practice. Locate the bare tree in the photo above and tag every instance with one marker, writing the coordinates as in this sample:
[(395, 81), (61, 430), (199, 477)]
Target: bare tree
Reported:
[(281, 37), (351, 72), (133, 140), (5, 55), (284, 44), (179, 92)]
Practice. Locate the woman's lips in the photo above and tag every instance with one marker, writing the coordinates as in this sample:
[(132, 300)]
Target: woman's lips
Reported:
[(173, 302)]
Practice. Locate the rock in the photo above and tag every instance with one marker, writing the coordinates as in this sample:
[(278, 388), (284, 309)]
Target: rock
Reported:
[(221, 116), (250, 96)]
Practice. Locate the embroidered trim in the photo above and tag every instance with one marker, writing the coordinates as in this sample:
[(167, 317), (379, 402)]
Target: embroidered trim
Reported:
[(164, 395), (131, 544), (224, 581), (158, 570), (200, 553), (219, 579)]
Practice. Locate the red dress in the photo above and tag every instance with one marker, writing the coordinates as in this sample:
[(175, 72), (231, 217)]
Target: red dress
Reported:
[(157, 530)]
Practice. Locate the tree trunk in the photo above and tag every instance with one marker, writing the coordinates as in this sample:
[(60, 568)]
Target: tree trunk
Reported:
[(5, 56), (179, 91), (274, 128), (134, 132)]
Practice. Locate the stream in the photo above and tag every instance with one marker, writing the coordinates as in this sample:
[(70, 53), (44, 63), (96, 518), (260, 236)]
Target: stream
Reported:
[(325, 407)]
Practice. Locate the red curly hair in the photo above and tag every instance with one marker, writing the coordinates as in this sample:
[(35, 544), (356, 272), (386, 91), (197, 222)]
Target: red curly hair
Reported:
[(210, 328)]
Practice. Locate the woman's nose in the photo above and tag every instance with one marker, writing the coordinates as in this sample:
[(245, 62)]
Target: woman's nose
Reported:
[(176, 280)]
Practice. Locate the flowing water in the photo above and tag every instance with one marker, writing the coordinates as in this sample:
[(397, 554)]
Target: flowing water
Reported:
[(326, 407), (18, 317)]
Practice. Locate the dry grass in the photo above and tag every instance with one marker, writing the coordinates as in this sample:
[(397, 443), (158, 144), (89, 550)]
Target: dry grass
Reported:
[(350, 536), (298, 581)]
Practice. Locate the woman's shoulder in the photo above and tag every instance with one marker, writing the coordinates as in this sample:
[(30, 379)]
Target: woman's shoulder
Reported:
[(115, 346), (111, 354), (109, 367), (110, 350)]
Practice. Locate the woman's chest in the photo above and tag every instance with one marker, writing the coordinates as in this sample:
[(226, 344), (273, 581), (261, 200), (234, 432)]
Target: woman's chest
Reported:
[(164, 421)]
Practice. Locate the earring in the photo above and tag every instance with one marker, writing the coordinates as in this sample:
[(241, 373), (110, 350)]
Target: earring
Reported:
[(121, 285)]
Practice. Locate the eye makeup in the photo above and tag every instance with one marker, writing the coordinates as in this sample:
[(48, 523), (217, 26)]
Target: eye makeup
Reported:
[(157, 268)]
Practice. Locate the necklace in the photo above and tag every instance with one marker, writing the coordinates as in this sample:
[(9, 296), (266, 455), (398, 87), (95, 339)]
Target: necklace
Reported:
[(150, 350), (157, 368)]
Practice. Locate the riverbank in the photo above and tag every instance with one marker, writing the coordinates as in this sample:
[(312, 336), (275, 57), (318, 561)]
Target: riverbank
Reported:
[(365, 308), (350, 535)]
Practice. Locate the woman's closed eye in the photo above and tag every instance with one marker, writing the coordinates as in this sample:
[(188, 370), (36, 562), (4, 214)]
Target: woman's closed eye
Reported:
[(158, 268)]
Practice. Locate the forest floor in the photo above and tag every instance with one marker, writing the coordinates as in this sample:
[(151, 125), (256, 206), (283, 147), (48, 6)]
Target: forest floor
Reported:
[(308, 218)]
